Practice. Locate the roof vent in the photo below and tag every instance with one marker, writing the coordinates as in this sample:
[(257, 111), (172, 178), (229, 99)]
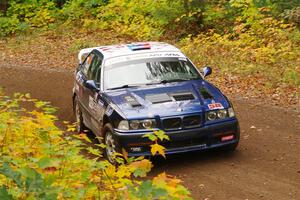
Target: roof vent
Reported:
[(139, 46)]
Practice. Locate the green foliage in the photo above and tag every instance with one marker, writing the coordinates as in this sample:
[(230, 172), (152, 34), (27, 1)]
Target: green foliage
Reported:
[(292, 76), (248, 36), (39, 161), (292, 15), (8, 26), (20, 16), (146, 19), (256, 43)]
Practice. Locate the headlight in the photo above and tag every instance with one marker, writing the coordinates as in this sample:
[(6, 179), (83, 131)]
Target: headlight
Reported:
[(135, 124), (219, 114), (212, 115), (123, 125), (142, 124), (147, 124), (222, 114)]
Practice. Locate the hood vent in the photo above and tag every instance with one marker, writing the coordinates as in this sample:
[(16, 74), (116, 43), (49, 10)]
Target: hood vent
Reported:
[(183, 96), (205, 94), (158, 98), (132, 101)]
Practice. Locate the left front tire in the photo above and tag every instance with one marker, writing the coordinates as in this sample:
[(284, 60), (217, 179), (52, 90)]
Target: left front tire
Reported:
[(111, 145)]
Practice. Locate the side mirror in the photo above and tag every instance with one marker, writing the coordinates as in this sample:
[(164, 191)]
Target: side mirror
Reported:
[(92, 85), (207, 71)]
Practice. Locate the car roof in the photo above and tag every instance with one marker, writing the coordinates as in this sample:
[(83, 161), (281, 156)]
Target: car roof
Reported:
[(111, 51)]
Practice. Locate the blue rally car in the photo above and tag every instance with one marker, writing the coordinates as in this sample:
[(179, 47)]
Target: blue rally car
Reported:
[(123, 92)]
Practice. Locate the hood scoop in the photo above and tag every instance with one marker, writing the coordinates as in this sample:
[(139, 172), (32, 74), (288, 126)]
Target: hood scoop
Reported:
[(163, 98), (183, 96), (158, 98), (205, 94), (132, 101)]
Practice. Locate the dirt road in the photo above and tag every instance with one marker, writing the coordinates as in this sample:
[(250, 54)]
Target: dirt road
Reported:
[(266, 165)]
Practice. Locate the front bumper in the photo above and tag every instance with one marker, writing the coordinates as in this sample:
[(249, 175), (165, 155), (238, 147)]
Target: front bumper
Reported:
[(202, 138)]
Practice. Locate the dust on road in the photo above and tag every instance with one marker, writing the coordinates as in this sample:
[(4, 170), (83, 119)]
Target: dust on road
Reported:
[(265, 166)]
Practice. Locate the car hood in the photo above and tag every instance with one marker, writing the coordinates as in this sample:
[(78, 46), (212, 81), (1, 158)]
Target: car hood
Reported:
[(169, 99)]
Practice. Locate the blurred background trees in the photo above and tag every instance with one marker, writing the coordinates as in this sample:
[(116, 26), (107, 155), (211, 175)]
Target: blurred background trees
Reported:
[(252, 35), (145, 17)]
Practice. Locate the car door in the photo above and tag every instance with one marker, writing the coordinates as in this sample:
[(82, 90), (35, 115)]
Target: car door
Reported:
[(96, 102), (80, 88)]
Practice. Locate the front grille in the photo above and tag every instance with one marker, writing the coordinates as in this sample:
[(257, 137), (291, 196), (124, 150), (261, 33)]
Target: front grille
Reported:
[(183, 96), (192, 121), (172, 123), (184, 122)]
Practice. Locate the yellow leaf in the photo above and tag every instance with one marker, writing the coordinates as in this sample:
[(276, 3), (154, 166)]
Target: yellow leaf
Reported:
[(145, 164), (156, 148), (160, 179)]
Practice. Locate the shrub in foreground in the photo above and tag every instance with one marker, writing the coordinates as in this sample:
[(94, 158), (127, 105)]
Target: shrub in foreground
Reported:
[(40, 161)]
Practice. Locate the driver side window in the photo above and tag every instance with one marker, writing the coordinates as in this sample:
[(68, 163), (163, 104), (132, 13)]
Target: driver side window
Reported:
[(87, 63), (94, 70)]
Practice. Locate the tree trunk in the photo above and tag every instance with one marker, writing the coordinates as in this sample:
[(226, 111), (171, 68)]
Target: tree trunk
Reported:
[(3, 6)]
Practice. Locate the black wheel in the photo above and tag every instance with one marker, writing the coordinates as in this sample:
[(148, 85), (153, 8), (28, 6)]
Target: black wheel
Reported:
[(80, 127), (111, 144)]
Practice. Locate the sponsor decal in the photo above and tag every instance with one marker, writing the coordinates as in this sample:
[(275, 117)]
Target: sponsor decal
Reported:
[(184, 59), (100, 102), (111, 61), (95, 106), (214, 106), (179, 110)]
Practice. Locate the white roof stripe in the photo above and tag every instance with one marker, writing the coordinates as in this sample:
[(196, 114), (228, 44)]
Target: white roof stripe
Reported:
[(123, 49)]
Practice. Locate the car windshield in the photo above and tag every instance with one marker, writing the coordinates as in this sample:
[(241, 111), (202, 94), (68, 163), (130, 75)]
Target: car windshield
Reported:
[(148, 71)]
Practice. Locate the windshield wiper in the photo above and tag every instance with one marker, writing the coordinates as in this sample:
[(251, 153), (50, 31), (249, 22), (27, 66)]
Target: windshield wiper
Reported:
[(174, 80), (123, 86), (169, 81)]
